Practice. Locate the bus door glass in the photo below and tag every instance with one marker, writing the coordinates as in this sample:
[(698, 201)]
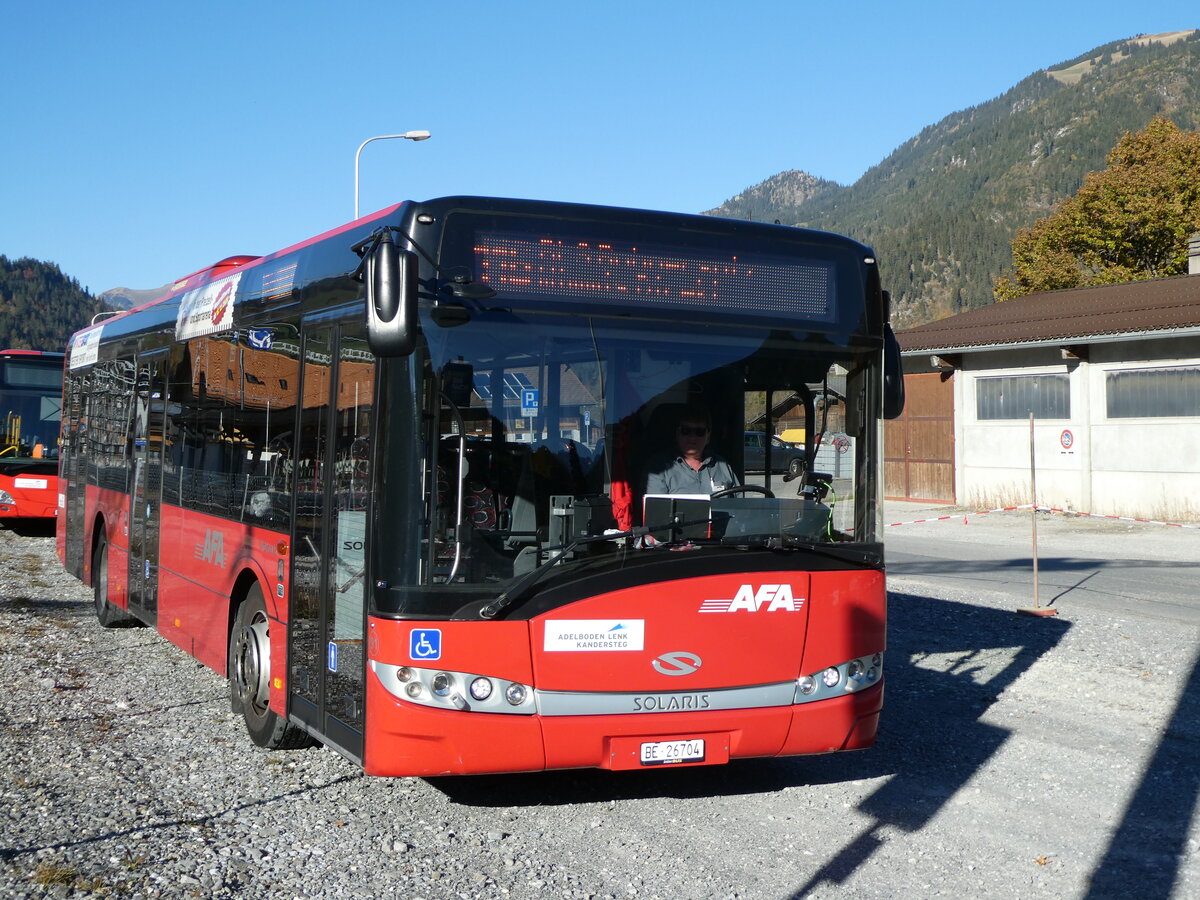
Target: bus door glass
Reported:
[(328, 578), (73, 455), (146, 490)]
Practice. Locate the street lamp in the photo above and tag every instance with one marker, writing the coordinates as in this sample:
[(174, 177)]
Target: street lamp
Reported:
[(407, 136)]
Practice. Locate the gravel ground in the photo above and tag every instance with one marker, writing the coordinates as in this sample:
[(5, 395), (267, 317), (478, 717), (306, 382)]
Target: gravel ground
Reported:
[(1018, 758)]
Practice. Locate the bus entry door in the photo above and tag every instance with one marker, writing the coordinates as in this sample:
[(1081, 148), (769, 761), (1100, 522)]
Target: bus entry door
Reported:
[(145, 492), (328, 617)]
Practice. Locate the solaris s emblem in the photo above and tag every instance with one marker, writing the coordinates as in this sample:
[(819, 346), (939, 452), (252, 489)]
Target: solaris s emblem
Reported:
[(677, 662)]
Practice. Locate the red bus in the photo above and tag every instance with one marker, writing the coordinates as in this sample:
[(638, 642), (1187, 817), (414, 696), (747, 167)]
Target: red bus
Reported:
[(388, 482), (30, 407)]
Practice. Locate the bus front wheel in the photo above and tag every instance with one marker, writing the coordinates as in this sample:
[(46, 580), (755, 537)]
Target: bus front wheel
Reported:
[(250, 677)]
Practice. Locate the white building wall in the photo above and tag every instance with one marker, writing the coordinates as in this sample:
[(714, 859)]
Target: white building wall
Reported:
[(1147, 467), (1142, 467)]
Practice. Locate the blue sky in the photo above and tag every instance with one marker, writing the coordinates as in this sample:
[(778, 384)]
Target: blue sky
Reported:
[(144, 140)]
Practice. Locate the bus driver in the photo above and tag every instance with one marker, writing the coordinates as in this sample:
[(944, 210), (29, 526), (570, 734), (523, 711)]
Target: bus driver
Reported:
[(691, 468)]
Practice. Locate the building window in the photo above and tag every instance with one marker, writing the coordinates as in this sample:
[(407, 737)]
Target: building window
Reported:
[(1153, 393), (1016, 396)]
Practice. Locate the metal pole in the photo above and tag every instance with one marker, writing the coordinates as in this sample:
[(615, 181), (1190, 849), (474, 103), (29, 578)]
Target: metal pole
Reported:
[(407, 136), (1037, 609), (1033, 500)]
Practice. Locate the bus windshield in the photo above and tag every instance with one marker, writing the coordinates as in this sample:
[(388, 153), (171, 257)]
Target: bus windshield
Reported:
[(540, 429), (30, 406)]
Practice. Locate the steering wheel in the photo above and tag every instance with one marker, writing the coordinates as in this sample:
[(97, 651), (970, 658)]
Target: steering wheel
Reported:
[(741, 489)]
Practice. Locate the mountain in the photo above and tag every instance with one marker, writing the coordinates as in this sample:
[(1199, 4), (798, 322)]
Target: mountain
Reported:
[(941, 210), (40, 307), (128, 298), (787, 190)]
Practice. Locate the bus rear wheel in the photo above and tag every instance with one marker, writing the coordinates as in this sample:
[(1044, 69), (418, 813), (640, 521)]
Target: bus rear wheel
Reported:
[(107, 614), (250, 678)]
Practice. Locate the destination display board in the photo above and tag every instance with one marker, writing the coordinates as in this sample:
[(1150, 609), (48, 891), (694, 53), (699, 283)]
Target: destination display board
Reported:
[(635, 274)]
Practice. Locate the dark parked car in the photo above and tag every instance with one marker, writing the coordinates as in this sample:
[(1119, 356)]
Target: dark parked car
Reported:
[(785, 457)]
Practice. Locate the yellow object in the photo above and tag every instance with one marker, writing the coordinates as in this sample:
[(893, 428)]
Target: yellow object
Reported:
[(793, 435)]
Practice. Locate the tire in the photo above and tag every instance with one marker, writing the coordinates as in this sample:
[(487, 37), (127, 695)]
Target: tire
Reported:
[(795, 467), (250, 678), (106, 614)]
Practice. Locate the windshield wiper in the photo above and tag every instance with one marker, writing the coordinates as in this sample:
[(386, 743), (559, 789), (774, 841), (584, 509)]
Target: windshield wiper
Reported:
[(841, 553), (520, 590), (517, 592)]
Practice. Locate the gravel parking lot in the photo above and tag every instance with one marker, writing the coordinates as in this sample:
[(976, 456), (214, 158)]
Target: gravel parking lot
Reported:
[(1019, 757)]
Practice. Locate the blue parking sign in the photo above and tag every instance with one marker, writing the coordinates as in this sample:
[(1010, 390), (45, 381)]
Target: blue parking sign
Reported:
[(529, 402), (425, 644)]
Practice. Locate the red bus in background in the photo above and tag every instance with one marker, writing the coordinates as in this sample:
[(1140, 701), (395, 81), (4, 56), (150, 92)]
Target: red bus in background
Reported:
[(30, 409), (387, 481)]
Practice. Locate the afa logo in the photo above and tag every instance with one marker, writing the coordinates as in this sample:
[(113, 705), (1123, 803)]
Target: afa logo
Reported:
[(768, 597), (213, 549)]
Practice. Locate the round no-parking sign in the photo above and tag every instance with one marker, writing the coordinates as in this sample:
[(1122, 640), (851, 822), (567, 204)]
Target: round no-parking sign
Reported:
[(1066, 439)]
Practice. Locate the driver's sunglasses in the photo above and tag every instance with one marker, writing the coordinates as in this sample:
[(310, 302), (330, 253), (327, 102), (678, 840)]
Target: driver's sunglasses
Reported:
[(689, 431)]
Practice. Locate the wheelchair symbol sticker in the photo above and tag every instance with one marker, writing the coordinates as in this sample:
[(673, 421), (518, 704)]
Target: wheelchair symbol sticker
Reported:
[(425, 644)]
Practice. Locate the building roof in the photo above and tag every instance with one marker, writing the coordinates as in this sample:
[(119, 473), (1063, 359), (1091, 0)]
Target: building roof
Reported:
[(1153, 308)]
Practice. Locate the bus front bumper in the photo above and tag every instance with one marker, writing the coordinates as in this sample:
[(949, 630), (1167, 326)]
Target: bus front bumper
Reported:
[(406, 739)]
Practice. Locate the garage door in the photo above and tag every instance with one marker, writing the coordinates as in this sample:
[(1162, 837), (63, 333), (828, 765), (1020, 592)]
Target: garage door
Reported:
[(919, 446)]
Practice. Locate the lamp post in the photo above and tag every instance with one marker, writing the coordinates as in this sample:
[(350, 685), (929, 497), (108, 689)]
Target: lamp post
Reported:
[(407, 136)]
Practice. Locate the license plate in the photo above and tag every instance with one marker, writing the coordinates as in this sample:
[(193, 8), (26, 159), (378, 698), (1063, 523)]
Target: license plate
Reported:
[(666, 753)]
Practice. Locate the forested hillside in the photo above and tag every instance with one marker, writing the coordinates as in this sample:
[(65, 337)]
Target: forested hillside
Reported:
[(942, 209), (40, 306)]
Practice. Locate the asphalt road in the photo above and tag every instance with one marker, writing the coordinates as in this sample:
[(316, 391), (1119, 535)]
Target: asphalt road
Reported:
[(1091, 563)]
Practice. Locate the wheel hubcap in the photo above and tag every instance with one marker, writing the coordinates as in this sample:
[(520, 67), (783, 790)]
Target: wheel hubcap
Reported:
[(254, 663)]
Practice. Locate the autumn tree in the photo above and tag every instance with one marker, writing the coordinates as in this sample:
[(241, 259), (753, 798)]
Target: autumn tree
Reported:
[(1128, 222)]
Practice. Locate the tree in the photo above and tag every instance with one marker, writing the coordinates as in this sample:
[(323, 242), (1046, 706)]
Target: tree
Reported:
[(40, 306), (1128, 222)]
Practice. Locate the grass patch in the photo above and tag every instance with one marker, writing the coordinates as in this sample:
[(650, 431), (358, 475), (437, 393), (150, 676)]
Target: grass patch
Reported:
[(49, 874)]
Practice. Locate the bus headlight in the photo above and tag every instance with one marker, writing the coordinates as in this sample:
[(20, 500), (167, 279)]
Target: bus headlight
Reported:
[(465, 692), (836, 681), (515, 694), (481, 688)]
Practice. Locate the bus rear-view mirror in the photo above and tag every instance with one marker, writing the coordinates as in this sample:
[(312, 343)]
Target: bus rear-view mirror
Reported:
[(893, 375), (391, 299)]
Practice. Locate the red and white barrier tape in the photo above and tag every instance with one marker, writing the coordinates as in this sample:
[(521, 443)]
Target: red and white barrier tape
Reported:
[(963, 515), (1071, 512), (1051, 509)]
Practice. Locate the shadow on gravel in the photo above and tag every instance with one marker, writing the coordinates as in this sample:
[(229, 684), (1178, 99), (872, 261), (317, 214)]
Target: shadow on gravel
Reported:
[(73, 608), (931, 734), (920, 702), (1148, 846), (30, 527), (307, 793)]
